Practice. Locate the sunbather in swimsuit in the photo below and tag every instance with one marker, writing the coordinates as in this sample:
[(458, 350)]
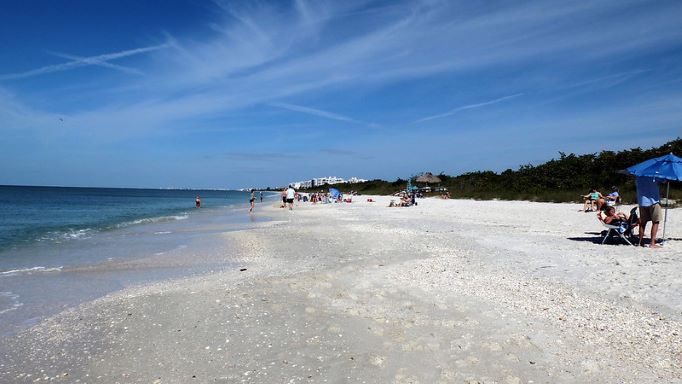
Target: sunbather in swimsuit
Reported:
[(611, 217)]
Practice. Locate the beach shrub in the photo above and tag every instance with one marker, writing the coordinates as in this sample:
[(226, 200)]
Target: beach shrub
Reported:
[(562, 179)]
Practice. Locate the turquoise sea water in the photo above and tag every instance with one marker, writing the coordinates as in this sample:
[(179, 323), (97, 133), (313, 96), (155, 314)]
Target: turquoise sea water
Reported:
[(60, 247), (55, 214)]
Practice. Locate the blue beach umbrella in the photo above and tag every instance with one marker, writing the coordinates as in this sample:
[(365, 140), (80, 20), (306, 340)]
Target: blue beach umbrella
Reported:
[(334, 193), (667, 167)]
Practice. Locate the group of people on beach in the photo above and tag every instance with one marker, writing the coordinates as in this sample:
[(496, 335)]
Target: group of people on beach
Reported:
[(324, 198), (595, 200), (252, 200), (289, 195), (316, 197), (648, 202)]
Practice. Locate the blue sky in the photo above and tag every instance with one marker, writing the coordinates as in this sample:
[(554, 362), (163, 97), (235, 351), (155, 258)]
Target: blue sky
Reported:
[(238, 94)]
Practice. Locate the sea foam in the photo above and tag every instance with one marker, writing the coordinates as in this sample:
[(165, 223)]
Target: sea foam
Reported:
[(12, 300), (28, 271), (150, 220), (71, 234)]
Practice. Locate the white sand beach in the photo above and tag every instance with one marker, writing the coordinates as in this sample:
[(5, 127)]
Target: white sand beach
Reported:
[(449, 291)]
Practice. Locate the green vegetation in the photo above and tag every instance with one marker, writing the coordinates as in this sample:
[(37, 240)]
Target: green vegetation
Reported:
[(558, 180), (372, 187)]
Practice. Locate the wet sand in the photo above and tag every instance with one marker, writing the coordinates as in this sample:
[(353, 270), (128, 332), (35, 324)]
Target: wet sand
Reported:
[(453, 291)]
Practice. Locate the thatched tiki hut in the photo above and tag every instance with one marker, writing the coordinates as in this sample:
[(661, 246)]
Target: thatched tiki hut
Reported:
[(428, 178)]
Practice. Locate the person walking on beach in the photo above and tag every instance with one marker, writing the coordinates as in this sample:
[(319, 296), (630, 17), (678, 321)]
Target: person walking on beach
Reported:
[(284, 198), (648, 199), (252, 199), (291, 193), (197, 202)]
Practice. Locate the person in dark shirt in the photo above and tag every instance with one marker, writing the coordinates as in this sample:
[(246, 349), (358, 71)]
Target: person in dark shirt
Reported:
[(252, 200)]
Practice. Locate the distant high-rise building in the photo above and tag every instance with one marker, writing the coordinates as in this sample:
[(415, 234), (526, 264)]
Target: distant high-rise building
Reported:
[(320, 181)]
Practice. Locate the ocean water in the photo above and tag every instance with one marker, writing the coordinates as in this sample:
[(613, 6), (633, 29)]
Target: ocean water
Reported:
[(60, 247), (55, 214)]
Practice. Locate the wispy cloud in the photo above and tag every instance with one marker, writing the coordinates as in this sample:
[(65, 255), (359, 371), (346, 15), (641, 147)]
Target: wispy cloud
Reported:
[(83, 61), (609, 80), (321, 113), (338, 152), (96, 61), (470, 106), (260, 156), (240, 68), (345, 153)]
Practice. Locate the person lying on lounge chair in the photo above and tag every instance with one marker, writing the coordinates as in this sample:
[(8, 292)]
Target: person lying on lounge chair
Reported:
[(618, 224), (626, 223), (611, 217)]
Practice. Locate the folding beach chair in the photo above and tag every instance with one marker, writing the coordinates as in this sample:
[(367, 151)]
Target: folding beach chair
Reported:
[(615, 229), (623, 230)]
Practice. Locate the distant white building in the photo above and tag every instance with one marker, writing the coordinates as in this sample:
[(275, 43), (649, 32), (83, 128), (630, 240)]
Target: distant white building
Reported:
[(320, 181), (354, 180), (327, 180)]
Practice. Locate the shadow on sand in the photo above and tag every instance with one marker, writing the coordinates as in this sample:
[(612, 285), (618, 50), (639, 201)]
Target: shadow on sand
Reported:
[(598, 237)]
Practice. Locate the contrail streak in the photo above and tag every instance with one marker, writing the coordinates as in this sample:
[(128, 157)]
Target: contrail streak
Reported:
[(101, 63), (470, 106), (320, 113), (92, 60)]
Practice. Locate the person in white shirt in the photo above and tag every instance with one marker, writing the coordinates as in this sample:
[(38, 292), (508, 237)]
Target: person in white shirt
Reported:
[(291, 193)]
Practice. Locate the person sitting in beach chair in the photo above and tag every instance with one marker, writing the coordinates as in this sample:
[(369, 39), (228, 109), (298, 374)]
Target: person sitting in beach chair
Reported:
[(591, 198), (618, 223), (405, 201), (612, 199)]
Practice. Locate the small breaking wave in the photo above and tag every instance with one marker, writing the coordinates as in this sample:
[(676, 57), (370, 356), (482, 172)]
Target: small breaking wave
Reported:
[(12, 300), (29, 271), (70, 234), (150, 220), (60, 236)]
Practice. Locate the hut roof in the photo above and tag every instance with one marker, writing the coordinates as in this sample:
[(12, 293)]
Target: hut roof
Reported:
[(428, 177)]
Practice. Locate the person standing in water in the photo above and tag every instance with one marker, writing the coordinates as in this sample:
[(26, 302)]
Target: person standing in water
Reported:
[(261, 196), (197, 202), (252, 200)]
